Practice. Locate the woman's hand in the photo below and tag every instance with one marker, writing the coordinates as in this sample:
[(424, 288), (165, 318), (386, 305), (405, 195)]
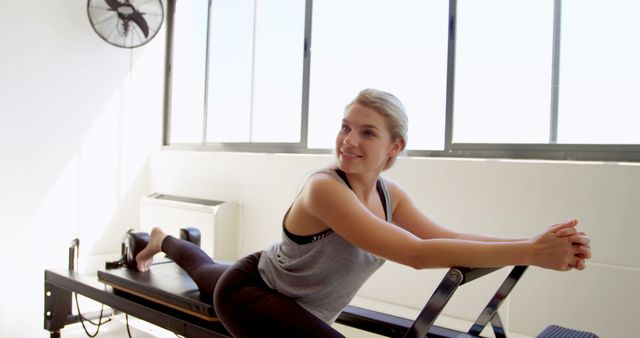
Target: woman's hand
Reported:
[(580, 240), (561, 247)]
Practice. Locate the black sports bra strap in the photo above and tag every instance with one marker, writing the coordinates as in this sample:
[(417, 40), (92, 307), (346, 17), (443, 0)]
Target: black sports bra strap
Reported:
[(381, 187), (383, 191), (343, 176)]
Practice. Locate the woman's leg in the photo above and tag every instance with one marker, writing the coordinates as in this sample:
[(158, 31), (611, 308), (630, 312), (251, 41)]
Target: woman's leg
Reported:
[(247, 307), (190, 257)]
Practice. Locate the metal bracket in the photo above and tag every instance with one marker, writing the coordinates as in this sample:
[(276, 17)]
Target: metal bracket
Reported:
[(490, 312)]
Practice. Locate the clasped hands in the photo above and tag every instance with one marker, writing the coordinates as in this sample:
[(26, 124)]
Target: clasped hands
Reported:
[(561, 247)]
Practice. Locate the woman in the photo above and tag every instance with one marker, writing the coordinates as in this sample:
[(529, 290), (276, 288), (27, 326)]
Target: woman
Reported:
[(339, 230)]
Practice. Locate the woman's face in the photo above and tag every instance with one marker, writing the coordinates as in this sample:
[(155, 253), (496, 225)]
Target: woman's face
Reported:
[(364, 142)]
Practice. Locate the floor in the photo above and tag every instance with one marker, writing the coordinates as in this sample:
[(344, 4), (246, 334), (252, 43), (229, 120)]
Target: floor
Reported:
[(117, 328), (114, 326)]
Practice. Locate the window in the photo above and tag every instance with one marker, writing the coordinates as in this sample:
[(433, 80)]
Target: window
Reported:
[(230, 71), (479, 78), (237, 65), (503, 71), (599, 72), (395, 45), (188, 72), (279, 51)]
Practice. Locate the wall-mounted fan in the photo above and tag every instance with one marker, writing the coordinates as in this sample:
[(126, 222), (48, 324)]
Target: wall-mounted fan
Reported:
[(126, 23)]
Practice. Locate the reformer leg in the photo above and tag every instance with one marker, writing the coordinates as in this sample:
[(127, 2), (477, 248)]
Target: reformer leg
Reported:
[(58, 302), (498, 327), (57, 307), (436, 304), (490, 312)]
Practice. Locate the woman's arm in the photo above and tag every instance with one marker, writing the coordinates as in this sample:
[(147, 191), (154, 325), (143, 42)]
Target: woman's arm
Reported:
[(334, 205), (408, 216)]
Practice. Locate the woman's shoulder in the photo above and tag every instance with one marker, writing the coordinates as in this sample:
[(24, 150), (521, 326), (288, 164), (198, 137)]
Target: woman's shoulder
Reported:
[(396, 190), (325, 187), (326, 178), (324, 175)]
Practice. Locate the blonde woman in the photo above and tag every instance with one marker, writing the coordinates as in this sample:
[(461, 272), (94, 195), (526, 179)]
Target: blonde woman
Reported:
[(346, 221)]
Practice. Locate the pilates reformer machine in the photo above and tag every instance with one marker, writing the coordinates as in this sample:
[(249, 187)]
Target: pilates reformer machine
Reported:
[(167, 297)]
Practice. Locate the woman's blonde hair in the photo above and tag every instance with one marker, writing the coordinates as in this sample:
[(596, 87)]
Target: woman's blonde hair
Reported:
[(391, 109)]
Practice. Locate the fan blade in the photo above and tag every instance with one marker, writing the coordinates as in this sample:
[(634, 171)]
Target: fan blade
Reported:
[(113, 4), (141, 22)]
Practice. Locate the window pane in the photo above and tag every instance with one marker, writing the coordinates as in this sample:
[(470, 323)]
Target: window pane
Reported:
[(189, 53), (399, 46), (600, 72), (255, 92), (503, 71), (277, 91), (230, 68)]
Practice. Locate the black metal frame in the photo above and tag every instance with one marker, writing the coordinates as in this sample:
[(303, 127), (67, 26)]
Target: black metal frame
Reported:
[(392, 326), (59, 287)]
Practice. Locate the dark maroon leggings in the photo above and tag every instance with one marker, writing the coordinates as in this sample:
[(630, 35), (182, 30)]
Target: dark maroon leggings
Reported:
[(245, 305)]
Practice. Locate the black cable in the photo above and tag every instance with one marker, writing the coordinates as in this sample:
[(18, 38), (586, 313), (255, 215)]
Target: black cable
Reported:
[(82, 319), (126, 319)]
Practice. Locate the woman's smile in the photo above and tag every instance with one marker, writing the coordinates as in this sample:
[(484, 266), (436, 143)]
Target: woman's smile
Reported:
[(348, 154)]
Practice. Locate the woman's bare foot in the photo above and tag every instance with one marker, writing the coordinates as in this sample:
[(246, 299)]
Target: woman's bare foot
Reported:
[(145, 257)]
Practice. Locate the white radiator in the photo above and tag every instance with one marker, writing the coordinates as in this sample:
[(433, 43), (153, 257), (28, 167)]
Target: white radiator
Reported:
[(216, 220)]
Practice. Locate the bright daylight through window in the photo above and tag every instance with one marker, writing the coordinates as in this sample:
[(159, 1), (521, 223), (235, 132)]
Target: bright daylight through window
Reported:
[(529, 78)]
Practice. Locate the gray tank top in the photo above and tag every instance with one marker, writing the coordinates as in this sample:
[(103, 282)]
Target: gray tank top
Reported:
[(324, 275)]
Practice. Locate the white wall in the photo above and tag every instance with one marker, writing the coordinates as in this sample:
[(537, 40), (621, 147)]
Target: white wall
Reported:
[(78, 118), (510, 198)]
